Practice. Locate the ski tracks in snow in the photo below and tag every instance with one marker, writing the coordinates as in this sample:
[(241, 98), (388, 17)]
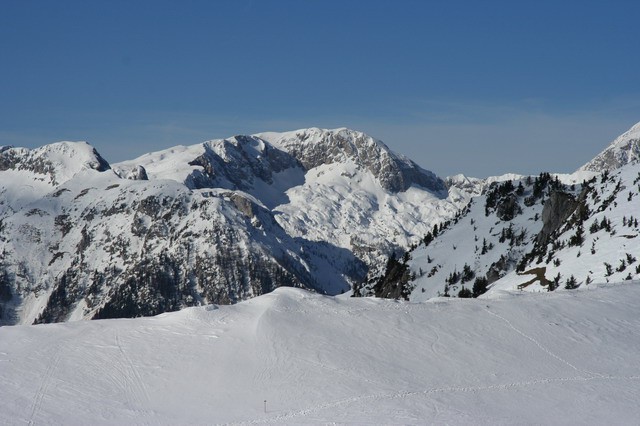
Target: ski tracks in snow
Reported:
[(540, 346), (41, 392), (129, 381), (408, 394), (133, 383), (585, 376), (436, 342)]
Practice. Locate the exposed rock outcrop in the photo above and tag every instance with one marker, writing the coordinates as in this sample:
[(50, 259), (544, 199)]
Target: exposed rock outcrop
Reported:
[(314, 147), (557, 208)]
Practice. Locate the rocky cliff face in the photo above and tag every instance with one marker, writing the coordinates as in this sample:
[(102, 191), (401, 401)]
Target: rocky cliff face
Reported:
[(336, 186), (53, 163), (557, 209), (216, 222), (315, 147), (122, 248), (237, 163)]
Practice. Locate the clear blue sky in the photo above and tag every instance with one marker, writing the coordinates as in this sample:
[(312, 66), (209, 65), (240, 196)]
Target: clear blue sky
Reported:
[(480, 87)]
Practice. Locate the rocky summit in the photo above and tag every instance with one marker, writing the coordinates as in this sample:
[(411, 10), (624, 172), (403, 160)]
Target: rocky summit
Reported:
[(216, 222)]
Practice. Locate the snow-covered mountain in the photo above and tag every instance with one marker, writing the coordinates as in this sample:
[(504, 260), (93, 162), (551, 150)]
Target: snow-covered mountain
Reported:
[(532, 234), (625, 149), (230, 219), (339, 186), (216, 222), (464, 188), (553, 358), (28, 175)]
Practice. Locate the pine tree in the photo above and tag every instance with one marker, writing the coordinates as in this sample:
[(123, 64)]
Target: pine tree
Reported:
[(480, 286), (484, 246), (578, 238), (609, 269), (465, 293), (555, 283), (467, 274), (571, 283)]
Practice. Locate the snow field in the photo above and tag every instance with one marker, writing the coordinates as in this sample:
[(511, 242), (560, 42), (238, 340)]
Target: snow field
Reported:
[(548, 358)]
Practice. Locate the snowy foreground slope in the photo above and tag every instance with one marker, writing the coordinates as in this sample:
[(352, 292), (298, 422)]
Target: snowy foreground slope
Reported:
[(548, 358)]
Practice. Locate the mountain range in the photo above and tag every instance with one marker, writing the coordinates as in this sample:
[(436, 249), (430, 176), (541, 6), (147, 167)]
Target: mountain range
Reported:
[(530, 233), (332, 211)]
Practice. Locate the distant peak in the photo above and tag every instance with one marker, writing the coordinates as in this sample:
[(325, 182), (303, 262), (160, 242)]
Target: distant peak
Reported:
[(625, 149), (81, 153), (314, 147), (59, 160)]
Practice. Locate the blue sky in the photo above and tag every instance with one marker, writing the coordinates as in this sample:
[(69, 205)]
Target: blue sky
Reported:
[(481, 88)]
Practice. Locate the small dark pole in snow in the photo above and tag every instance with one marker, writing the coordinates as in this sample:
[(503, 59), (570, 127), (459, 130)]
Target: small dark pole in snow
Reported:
[(265, 405)]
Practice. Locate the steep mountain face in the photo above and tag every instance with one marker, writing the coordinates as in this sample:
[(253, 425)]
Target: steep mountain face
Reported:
[(216, 222), (52, 164), (315, 147), (624, 150), (529, 233), (27, 175), (359, 195), (109, 247), (327, 210), (338, 186), (535, 234)]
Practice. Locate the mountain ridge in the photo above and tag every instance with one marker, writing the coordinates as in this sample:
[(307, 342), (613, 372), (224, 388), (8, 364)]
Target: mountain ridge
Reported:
[(230, 219), (535, 234), (623, 150), (216, 222)]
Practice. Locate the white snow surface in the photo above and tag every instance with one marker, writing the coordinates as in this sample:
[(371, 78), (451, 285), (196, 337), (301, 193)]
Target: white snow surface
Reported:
[(625, 149), (548, 358), (340, 201), (614, 198), (38, 171), (332, 190)]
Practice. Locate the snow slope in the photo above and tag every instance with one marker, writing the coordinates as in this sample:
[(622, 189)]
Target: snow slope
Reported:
[(79, 241), (612, 197), (505, 235), (340, 186), (216, 222), (548, 358), (625, 149), (28, 175)]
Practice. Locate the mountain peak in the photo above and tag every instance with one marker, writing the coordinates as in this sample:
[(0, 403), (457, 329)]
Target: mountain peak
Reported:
[(60, 160), (623, 150), (314, 147)]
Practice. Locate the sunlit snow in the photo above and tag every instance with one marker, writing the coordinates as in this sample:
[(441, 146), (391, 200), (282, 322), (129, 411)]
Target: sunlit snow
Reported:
[(549, 358)]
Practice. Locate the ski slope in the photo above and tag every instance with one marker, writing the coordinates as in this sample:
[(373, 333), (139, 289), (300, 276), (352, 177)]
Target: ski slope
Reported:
[(515, 358)]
